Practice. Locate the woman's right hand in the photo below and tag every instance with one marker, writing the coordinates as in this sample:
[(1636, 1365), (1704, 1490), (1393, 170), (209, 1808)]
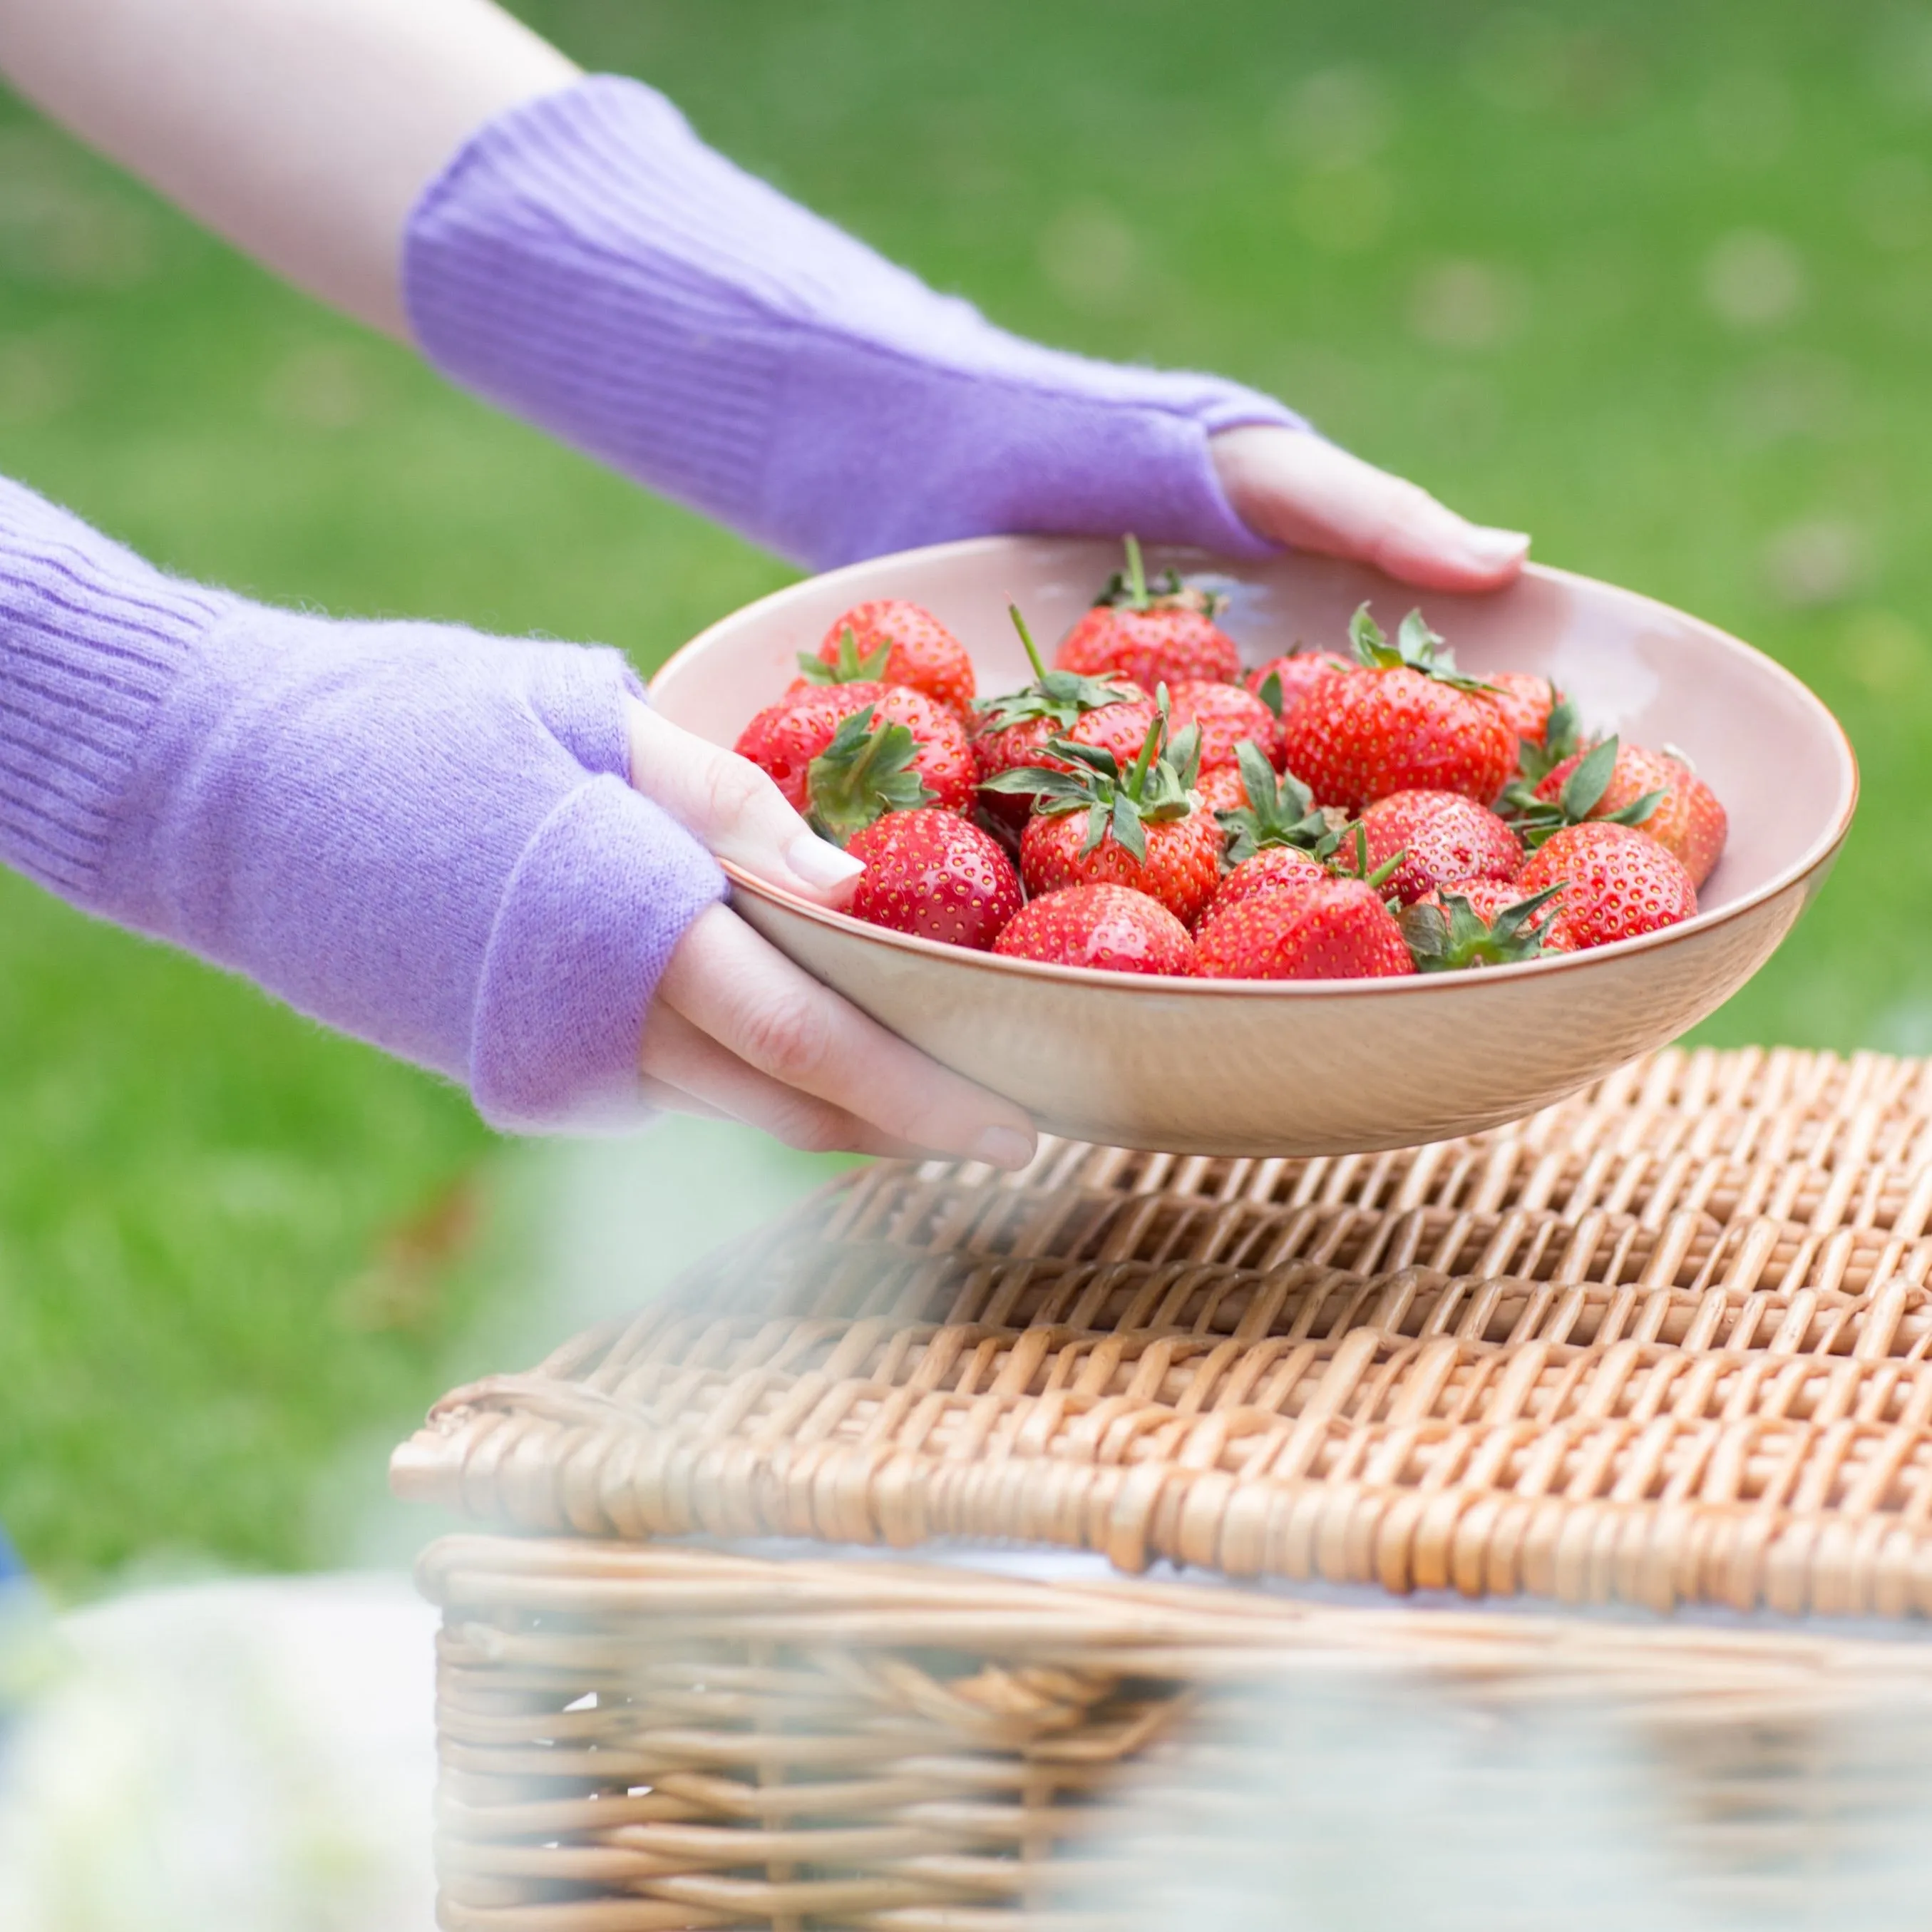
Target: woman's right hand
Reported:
[(736, 1030)]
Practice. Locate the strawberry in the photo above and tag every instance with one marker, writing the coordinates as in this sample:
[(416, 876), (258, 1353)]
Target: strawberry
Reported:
[(1441, 837), (1097, 823), (1481, 923), (1525, 700), (785, 737), (830, 768), (1403, 720), (1328, 929), (892, 641), (1631, 786), (1110, 928), (1270, 868), (1221, 790), (1617, 882), (933, 873), (1162, 635), (1282, 682), (1226, 714), (1013, 730)]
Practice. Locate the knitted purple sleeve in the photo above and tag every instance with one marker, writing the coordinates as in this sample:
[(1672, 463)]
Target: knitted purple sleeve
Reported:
[(419, 834), (585, 261)]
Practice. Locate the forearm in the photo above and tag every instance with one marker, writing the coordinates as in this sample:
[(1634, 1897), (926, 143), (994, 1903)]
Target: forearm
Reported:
[(302, 130), (420, 835)]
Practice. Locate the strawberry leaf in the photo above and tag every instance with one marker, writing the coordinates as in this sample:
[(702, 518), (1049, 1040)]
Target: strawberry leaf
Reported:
[(1064, 696), (1270, 694), (1416, 648), (862, 775), (1561, 739), (1453, 936), (848, 668), (1585, 786), (1279, 812)]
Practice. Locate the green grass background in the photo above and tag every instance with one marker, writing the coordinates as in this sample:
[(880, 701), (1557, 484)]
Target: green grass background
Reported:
[(1654, 281)]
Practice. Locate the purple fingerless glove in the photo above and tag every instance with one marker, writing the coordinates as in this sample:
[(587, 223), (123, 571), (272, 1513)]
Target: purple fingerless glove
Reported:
[(586, 262), (420, 835)]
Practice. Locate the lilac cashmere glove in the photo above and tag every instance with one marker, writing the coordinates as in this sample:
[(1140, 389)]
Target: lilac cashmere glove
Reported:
[(419, 834), (586, 261)]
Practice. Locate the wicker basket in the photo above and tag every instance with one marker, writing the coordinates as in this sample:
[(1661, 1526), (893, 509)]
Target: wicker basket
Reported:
[(1665, 1344)]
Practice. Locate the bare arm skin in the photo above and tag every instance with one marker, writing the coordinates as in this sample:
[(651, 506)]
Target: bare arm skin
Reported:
[(301, 130)]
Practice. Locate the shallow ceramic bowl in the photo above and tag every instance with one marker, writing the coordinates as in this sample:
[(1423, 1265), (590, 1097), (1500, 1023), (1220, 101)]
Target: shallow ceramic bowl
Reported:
[(1207, 1066)]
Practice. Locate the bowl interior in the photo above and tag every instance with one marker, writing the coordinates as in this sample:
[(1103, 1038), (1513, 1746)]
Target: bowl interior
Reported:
[(1770, 751)]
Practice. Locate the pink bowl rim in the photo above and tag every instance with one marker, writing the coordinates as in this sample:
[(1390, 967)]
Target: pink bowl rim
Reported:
[(1817, 855)]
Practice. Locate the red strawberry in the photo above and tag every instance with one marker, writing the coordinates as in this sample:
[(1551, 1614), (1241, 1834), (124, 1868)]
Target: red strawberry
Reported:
[(1525, 700), (935, 874), (1328, 929), (1404, 720), (793, 738), (1226, 714), (894, 642), (1650, 789), (1442, 837), (1282, 683), (1272, 867), (1617, 882), (1111, 928), (1164, 635), (1482, 922), (1096, 823), (785, 737), (1013, 729), (1221, 790)]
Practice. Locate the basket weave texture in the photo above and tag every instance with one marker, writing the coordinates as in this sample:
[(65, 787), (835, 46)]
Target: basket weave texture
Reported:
[(635, 1737), (1664, 1343)]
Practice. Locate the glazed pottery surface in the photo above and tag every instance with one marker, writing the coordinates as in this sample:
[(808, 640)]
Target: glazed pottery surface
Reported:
[(1223, 1067)]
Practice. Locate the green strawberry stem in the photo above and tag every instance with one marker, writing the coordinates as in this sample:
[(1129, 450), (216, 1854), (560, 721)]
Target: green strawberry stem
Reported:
[(1026, 638), (1061, 695), (1136, 574), (862, 775)]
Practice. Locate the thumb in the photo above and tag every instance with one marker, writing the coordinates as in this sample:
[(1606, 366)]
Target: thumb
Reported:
[(734, 809)]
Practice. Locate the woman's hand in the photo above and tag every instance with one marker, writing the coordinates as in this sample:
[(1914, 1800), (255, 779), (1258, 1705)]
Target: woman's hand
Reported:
[(737, 1030), (1300, 491)]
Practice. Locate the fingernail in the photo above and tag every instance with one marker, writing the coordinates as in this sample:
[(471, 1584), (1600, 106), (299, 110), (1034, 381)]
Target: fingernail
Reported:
[(1490, 548), (819, 862), (1004, 1147)]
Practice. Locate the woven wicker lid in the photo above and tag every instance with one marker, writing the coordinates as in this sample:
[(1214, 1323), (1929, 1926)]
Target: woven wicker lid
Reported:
[(1664, 1343)]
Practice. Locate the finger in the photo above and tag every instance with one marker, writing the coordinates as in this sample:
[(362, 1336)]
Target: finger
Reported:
[(692, 1073), (748, 996), (1294, 487), (734, 809), (663, 1098)]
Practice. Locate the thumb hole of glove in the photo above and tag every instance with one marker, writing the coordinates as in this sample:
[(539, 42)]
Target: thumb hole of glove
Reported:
[(734, 809)]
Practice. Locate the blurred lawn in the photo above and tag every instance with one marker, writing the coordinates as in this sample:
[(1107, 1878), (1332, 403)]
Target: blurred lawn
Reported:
[(1654, 282)]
